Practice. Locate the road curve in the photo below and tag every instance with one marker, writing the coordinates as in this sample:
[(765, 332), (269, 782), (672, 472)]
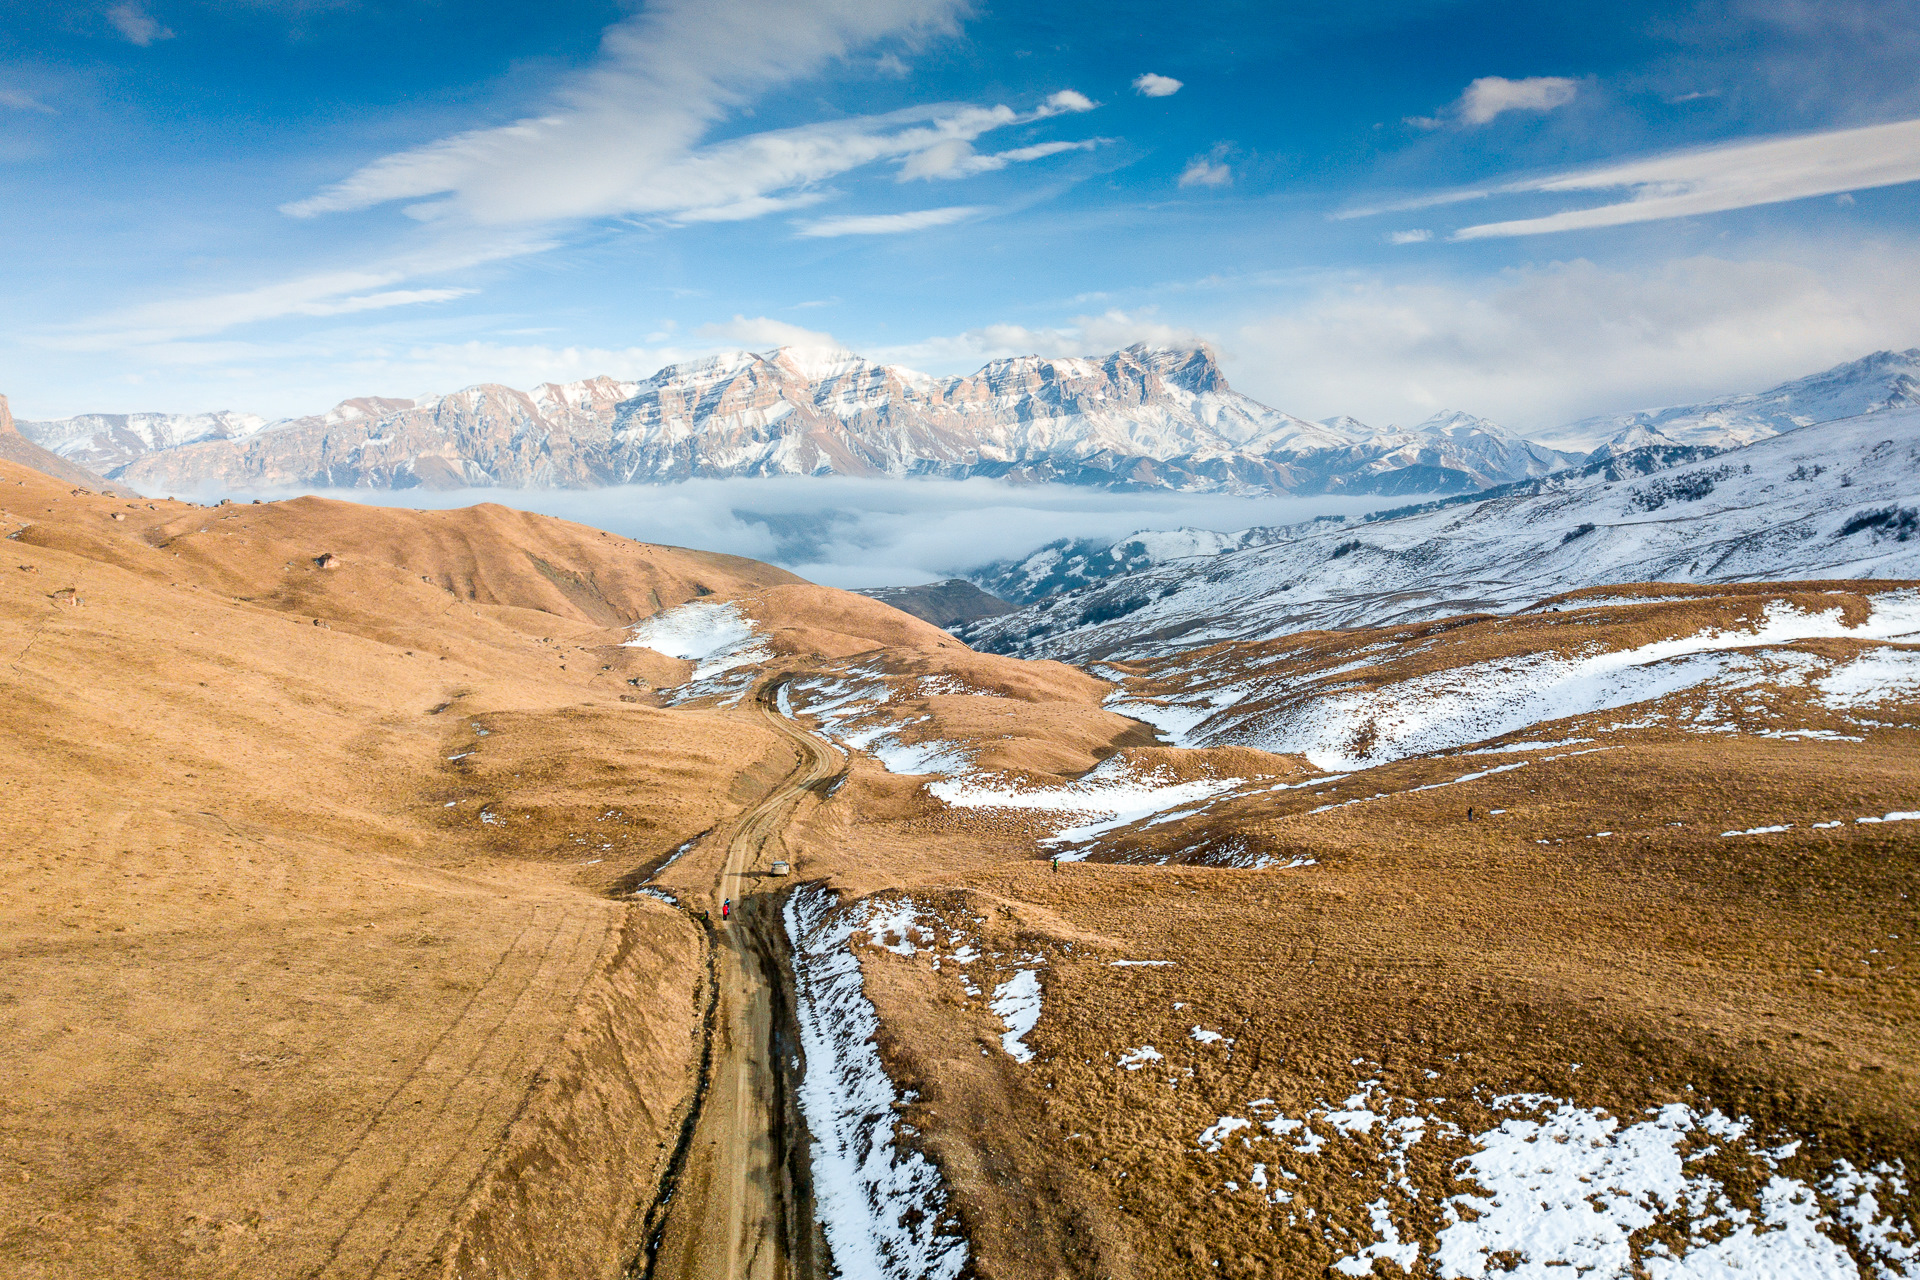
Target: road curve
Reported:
[(741, 1206)]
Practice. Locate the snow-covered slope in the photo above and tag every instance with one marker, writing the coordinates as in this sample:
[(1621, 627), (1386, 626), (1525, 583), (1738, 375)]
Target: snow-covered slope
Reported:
[(1146, 417), (1068, 563), (1877, 383), (1596, 655), (1841, 500)]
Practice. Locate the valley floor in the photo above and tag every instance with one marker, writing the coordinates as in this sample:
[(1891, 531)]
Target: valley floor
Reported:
[(352, 924)]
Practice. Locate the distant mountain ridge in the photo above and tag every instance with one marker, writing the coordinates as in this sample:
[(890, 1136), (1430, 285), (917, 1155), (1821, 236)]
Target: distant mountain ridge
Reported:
[(1872, 384), (1143, 418), (16, 448), (1838, 502)]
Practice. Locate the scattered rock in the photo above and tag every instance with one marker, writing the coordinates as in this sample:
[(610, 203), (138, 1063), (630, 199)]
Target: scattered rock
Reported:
[(119, 515), (326, 560)]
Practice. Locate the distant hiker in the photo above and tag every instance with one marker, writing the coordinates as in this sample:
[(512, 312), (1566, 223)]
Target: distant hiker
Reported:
[(726, 909), (1469, 813), (1056, 864)]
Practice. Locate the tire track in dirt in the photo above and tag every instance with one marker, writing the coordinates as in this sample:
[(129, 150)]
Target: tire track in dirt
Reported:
[(488, 1125), (396, 1131)]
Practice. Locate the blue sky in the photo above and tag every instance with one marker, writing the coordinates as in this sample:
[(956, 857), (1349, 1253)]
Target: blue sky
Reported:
[(1531, 211)]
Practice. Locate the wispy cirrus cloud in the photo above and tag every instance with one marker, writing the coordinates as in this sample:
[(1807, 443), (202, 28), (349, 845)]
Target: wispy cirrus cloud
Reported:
[(957, 159), (21, 100), (887, 224), (1735, 176), (136, 25), (627, 137), (1698, 181), (346, 291)]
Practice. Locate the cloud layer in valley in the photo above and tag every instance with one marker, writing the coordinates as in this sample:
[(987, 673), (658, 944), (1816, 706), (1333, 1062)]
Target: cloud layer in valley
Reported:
[(869, 533)]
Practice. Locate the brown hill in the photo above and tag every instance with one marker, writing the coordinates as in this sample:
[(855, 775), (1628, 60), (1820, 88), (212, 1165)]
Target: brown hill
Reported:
[(311, 811)]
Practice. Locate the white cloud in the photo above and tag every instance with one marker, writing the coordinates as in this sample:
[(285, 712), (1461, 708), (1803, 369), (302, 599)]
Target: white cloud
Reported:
[(1153, 86), (136, 24), (1732, 176), (417, 369), (957, 159), (1491, 96), (760, 333), (20, 100), (1540, 347), (376, 301), (887, 224), (1209, 170), (1087, 335), (1065, 101), (625, 138), (1409, 237), (752, 207)]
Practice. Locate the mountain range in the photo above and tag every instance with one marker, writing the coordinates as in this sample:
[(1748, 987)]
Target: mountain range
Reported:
[(1839, 500), (1872, 384), (1145, 417)]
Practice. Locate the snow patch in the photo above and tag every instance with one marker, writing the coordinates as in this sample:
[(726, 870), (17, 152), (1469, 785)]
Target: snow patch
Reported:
[(715, 637), (884, 1207), (1017, 1003), (1111, 796)]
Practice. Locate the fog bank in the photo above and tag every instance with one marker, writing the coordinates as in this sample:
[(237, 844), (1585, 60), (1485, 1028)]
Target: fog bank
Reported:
[(868, 533)]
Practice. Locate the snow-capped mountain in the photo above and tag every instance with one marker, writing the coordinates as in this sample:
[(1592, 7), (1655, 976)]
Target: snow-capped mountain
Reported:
[(1873, 384), (1146, 417), (107, 442), (1838, 500)]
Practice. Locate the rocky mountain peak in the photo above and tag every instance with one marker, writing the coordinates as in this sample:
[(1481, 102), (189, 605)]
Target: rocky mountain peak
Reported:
[(1455, 423), (1195, 368)]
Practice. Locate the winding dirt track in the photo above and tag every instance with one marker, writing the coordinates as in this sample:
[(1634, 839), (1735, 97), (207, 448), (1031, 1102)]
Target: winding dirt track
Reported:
[(741, 1206)]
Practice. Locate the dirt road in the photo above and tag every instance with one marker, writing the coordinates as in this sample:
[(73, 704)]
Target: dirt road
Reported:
[(741, 1207)]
